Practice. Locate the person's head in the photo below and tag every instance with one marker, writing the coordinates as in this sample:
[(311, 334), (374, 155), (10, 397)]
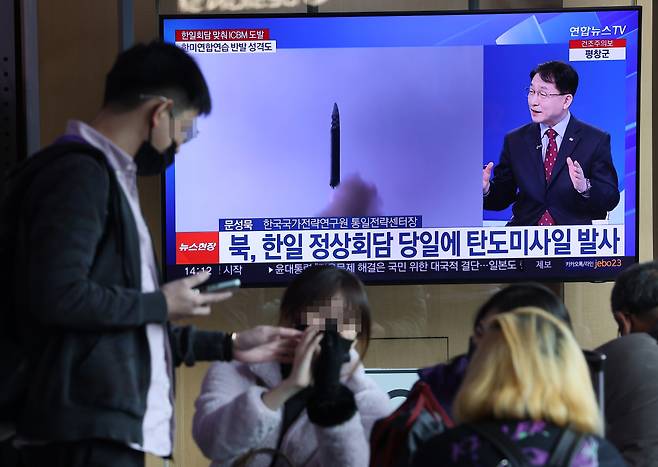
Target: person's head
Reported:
[(161, 87), (634, 298), (529, 366), (552, 89), (324, 295), (520, 295)]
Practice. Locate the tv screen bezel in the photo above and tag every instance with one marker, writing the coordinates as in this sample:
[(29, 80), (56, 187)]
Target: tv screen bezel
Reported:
[(430, 280)]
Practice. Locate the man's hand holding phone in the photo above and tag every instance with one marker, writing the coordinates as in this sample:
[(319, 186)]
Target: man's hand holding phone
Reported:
[(219, 286), (185, 300)]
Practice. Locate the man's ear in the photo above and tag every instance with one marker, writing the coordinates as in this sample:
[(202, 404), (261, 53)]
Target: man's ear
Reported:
[(624, 322), (159, 113), (568, 100)]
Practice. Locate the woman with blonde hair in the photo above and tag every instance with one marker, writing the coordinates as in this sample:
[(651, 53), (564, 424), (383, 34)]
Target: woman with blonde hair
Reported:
[(527, 395)]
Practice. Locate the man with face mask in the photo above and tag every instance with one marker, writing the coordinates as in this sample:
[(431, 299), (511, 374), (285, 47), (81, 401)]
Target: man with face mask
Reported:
[(94, 321)]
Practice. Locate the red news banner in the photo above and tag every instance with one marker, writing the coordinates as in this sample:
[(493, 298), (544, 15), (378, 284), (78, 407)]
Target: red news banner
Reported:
[(225, 41), (197, 247), (194, 35), (582, 50)]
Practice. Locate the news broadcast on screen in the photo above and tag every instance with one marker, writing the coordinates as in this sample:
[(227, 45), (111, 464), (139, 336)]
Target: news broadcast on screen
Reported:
[(409, 147)]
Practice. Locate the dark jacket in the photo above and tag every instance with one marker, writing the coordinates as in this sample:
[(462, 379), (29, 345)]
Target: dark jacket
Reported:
[(631, 397), (461, 446), (519, 178), (445, 379), (82, 314)]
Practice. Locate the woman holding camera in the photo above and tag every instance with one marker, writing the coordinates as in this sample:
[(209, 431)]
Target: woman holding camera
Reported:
[(317, 410)]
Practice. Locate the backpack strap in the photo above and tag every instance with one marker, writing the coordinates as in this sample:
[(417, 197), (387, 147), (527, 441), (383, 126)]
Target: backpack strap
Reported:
[(61, 147), (491, 432), (15, 186), (292, 409), (565, 449)]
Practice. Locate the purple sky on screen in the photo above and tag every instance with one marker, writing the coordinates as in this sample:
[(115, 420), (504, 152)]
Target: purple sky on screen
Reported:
[(411, 123)]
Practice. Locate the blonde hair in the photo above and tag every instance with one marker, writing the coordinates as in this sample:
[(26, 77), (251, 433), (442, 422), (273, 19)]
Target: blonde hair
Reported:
[(529, 366)]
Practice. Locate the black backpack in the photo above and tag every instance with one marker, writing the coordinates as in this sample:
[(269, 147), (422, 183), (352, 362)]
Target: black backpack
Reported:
[(14, 356), (395, 439), (562, 453)]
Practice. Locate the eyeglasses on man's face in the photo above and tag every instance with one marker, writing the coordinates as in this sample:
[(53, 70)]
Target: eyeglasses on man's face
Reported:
[(182, 128), (185, 128), (542, 94)]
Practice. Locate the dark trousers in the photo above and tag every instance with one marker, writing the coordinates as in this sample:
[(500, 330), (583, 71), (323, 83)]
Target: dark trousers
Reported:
[(86, 453), (8, 454)]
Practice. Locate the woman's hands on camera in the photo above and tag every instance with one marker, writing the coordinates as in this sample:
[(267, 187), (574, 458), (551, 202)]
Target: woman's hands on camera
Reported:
[(301, 374)]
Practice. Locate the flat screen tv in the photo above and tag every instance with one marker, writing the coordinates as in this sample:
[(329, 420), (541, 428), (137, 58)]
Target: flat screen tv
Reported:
[(362, 140)]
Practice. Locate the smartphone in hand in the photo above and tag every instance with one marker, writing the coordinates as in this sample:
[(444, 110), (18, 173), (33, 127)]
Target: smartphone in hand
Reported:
[(219, 286)]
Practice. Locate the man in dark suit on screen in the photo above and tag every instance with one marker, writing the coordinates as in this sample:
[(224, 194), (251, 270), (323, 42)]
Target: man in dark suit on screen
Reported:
[(556, 170)]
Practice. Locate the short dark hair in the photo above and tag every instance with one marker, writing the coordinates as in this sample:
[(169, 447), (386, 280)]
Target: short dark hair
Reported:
[(157, 68), (322, 282), (524, 295), (636, 289), (561, 74)]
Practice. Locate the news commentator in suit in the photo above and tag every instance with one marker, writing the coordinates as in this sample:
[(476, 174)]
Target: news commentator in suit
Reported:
[(556, 170)]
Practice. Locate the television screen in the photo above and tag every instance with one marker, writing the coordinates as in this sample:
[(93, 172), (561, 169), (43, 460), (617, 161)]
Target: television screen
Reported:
[(409, 147)]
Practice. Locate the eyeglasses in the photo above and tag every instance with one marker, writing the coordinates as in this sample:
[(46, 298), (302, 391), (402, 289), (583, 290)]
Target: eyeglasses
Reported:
[(542, 94), (187, 129), (184, 128)]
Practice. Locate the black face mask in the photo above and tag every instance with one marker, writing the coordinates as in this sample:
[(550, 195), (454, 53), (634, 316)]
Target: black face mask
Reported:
[(150, 161)]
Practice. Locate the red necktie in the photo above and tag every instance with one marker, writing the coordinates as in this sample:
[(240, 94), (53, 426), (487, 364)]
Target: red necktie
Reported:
[(549, 163)]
